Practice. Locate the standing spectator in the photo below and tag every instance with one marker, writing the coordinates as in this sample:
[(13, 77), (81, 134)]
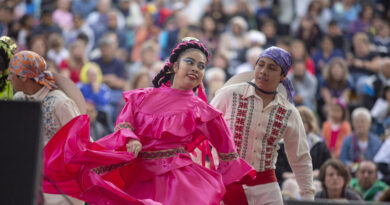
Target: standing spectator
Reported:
[(336, 128), (366, 182), (62, 16), (335, 179), (71, 66), (361, 145), (305, 85)]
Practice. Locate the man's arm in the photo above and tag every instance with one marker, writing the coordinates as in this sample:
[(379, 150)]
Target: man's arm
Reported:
[(298, 155)]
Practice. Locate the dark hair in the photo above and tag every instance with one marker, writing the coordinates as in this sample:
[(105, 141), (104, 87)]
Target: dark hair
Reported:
[(166, 73), (339, 167), (5, 57)]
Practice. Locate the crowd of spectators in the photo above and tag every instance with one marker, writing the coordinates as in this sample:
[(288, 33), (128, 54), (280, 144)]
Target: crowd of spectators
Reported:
[(340, 50)]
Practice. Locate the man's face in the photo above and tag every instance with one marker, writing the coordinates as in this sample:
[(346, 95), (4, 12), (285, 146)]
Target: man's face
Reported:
[(268, 74), (366, 174)]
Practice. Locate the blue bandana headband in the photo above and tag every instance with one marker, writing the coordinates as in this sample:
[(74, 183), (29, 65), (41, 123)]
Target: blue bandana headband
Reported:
[(284, 60)]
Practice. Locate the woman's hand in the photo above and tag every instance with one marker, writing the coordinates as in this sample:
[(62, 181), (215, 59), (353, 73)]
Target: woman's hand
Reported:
[(134, 146)]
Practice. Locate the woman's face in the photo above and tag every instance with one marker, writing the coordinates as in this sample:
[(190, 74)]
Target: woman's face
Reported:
[(209, 24), (336, 113), (361, 124), (189, 70), (39, 47), (333, 180), (337, 72), (297, 50), (143, 82)]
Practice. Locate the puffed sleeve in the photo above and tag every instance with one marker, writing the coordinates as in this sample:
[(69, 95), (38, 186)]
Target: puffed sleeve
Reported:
[(298, 155), (231, 167), (124, 126)]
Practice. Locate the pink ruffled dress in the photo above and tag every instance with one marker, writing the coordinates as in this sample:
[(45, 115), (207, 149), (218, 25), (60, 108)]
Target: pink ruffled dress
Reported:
[(165, 121)]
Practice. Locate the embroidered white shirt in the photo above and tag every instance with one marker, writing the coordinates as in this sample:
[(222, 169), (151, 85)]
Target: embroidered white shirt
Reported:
[(57, 109), (257, 131)]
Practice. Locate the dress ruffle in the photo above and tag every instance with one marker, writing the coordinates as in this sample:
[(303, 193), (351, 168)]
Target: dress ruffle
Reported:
[(157, 124)]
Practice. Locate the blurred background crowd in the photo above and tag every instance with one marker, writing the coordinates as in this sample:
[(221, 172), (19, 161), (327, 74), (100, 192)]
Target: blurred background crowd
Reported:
[(341, 66)]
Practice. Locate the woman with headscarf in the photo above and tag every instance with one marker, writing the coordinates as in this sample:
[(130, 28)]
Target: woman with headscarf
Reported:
[(146, 160), (32, 82), (259, 117)]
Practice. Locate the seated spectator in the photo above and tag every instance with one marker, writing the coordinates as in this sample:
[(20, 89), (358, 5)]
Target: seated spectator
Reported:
[(71, 66), (298, 52), (325, 54), (385, 197), (92, 87), (381, 111), (335, 178), (361, 145), (210, 33), (345, 12), (79, 27), (305, 85), (150, 54), (114, 72), (362, 63), (268, 27), (366, 182), (233, 42), (382, 157), (376, 83), (97, 129), (62, 16), (57, 52), (47, 25), (336, 128), (363, 23), (336, 34), (96, 92), (334, 85), (251, 56), (214, 79), (309, 32), (381, 39), (318, 150)]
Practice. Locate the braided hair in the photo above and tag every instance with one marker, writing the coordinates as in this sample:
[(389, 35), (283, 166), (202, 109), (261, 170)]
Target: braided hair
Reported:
[(165, 75), (6, 52)]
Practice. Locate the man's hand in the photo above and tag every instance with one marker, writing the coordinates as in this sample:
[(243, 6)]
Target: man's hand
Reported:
[(134, 146)]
